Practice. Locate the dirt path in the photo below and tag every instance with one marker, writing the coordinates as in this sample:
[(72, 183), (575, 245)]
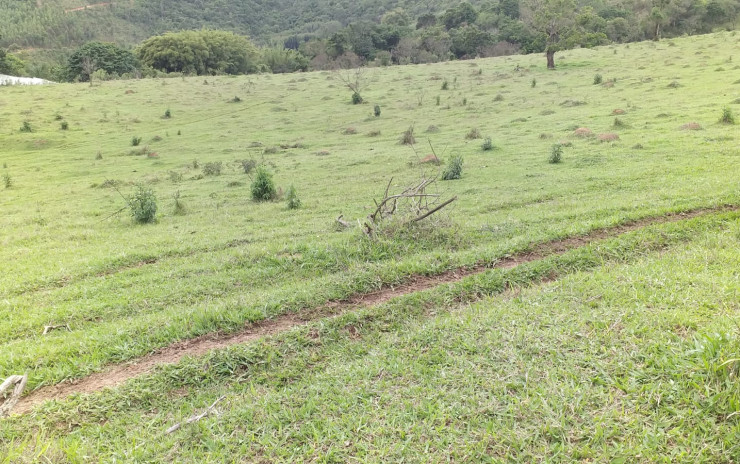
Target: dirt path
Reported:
[(117, 374)]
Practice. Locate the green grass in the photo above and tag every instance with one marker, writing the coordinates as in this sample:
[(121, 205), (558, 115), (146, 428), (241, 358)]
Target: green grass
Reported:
[(629, 355), (127, 289)]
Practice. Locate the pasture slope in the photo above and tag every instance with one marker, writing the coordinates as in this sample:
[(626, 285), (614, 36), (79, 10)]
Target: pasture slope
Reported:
[(621, 346)]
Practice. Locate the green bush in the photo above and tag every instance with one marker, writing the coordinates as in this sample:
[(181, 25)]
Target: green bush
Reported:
[(135, 141), (376, 110), (179, 206), (143, 205), (454, 169), (487, 144), (167, 114), (598, 79), (7, 180), (26, 127), (291, 198), (727, 116), (356, 98), (556, 154), (64, 126), (263, 187), (445, 85)]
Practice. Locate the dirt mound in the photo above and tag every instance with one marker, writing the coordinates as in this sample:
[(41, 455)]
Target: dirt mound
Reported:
[(608, 137), (583, 132), (691, 126), (618, 111)]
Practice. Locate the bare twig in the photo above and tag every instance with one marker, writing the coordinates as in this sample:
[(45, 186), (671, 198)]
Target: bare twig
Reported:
[(342, 222), (20, 384), (429, 213), (49, 328), (194, 418)]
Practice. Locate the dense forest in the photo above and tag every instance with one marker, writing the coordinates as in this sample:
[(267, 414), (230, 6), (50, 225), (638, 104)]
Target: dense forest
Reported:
[(321, 34)]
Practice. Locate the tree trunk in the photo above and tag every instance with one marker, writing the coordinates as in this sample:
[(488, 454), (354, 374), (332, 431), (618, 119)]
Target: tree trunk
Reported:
[(550, 59)]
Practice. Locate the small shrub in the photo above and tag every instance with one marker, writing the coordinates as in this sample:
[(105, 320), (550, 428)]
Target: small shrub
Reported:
[(236, 100), (135, 141), (291, 198), (498, 98), (454, 168), (7, 180), (598, 79), (178, 207), (618, 112), (619, 124), (213, 168), (167, 114), (26, 127), (437, 100), (248, 165), (465, 101), (408, 136), (727, 116), (64, 125), (143, 205), (556, 154), (445, 85), (99, 155), (432, 129), (263, 187), (545, 136), (690, 126), (58, 117), (534, 82), (270, 150), (473, 134), (674, 85), (546, 112), (376, 111), (179, 132), (373, 133), (195, 164), (487, 144), (349, 131), (175, 176), (356, 98)]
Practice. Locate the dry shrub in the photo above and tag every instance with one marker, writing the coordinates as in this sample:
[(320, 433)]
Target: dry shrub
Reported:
[(349, 131), (583, 132), (608, 137), (691, 126), (618, 111)]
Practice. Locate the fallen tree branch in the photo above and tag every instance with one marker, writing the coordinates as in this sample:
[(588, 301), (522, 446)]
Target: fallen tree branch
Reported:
[(49, 328), (430, 212), (342, 222), (20, 384), (195, 418)]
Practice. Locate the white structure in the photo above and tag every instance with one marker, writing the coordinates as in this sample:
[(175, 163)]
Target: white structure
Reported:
[(12, 80)]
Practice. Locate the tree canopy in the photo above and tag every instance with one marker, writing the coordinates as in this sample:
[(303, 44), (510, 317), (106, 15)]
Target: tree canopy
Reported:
[(199, 52), (92, 56)]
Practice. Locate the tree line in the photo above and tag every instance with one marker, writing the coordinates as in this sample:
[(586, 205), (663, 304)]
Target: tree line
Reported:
[(492, 28)]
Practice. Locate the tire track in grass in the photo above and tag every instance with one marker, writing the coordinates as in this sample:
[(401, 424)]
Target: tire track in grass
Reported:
[(117, 374)]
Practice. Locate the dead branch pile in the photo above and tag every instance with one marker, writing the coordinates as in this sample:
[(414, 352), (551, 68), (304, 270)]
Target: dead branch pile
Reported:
[(414, 203)]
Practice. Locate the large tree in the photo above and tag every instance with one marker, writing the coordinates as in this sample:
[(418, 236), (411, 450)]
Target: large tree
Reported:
[(554, 19), (98, 55), (199, 52), (10, 64)]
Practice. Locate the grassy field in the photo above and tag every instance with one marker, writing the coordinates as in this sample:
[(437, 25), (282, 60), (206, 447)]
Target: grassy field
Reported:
[(619, 359)]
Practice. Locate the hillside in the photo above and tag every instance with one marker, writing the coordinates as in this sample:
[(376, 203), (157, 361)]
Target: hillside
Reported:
[(66, 23)]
